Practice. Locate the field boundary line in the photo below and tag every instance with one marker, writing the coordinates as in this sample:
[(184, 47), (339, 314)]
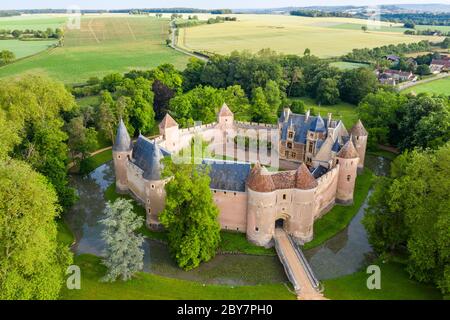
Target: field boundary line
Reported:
[(92, 31), (417, 83), (131, 31)]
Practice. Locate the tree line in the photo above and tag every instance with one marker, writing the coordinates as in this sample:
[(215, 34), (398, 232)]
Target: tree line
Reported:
[(422, 18), (320, 13), (49, 33)]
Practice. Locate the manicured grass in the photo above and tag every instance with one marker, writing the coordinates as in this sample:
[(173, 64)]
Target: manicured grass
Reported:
[(90, 164), (146, 286), (237, 242), (65, 235), (288, 34), (340, 216), (103, 45), (343, 65), (341, 111), (441, 86), (25, 48), (395, 285)]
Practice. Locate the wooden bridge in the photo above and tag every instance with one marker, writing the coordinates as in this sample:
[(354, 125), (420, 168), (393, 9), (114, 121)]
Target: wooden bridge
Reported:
[(299, 273)]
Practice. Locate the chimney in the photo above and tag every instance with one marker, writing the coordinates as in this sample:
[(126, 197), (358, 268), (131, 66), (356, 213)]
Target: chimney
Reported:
[(307, 115), (329, 120)]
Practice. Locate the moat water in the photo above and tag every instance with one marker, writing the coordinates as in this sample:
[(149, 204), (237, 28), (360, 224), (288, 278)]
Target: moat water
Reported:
[(345, 253)]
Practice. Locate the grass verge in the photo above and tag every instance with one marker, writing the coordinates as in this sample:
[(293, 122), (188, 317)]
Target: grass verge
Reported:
[(395, 285), (92, 163), (147, 286), (340, 216)]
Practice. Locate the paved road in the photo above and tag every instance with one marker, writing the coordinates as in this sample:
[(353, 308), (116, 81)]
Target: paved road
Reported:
[(302, 283), (407, 85), (174, 42)]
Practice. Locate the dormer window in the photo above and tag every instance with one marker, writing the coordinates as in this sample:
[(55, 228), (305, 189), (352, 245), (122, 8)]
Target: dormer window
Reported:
[(291, 135), (289, 145)]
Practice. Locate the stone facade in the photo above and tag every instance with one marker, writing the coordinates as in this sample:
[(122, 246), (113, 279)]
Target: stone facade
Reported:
[(253, 200)]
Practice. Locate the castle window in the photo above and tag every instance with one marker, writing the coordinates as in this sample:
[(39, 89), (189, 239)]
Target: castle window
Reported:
[(284, 197), (349, 177), (256, 229), (308, 159), (215, 191), (237, 229), (294, 154), (224, 192), (149, 210), (291, 134), (153, 186), (286, 154), (357, 138), (235, 193), (337, 161), (289, 145), (118, 157), (310, 147)]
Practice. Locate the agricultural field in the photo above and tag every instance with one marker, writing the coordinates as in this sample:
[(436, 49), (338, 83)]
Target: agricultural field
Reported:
[(23, 49), (103, 44), (441, 86), (289, 34), (387, 27), (343, 65)]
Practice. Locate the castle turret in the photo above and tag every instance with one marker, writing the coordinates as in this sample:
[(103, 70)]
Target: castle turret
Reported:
[(347, 159), (261, 204), (169, 129), (301, 223), (121, 150), (360, 135), (225, 117)]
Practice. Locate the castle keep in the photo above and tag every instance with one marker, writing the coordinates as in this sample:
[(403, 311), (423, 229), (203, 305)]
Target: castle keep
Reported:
[(252, 199)]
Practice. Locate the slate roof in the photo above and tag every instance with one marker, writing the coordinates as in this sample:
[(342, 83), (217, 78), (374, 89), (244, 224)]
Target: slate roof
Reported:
[(228, 175), (319, 171), (147, 155), (336, 146), (123, 141), (301, 127)]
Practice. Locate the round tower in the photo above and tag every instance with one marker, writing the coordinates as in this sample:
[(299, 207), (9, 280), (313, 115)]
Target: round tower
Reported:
[(347, 159), (360, 135), (121, 150), (300, 225), (261, 204)]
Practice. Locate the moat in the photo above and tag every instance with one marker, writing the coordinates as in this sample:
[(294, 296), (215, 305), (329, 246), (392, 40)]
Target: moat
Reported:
[(344, 254)]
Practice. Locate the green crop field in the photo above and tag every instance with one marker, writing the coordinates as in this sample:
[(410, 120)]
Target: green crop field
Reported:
[(441, 86), (289, 34), (343, 65), (32, 22), (103, 45), (25, 48)]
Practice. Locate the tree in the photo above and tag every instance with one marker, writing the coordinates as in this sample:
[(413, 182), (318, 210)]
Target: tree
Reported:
[(364, 28), (423, 70), (298, 107), (123, 254), (408, 213), (327, 91), (307, 52), (106, 121), (262, 111), (273, 95), (32, 263), (446, 43), (6, 57), (190, 215), (81, 140), (355, 84)]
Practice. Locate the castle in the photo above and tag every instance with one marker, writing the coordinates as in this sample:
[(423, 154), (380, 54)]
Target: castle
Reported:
[(252, 199)]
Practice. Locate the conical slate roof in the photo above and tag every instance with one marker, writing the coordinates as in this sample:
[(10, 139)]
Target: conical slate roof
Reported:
[(123, 141), (348, 151), (358, 129), (260, 179), (168, 122), (304, 179), (225, 111)]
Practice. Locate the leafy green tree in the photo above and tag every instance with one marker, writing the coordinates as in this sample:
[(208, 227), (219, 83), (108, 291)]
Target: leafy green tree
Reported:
[(123, 254), (356, 84), (262, 111), (32, 263), (190, 215), (106, 121), (423, 70), (364, 28), (273, 95), (81, 140), (408, 213), (192, 74), (298, 107), (6, 57), (328, 91)]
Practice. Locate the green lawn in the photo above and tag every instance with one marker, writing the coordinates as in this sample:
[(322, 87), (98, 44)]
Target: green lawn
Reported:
[(343, 111), (441, 86), (25, 48), (103, 45), (90, 164), (340, 216), (92, 101), (65, 235), (146, 286), (395, 285)]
